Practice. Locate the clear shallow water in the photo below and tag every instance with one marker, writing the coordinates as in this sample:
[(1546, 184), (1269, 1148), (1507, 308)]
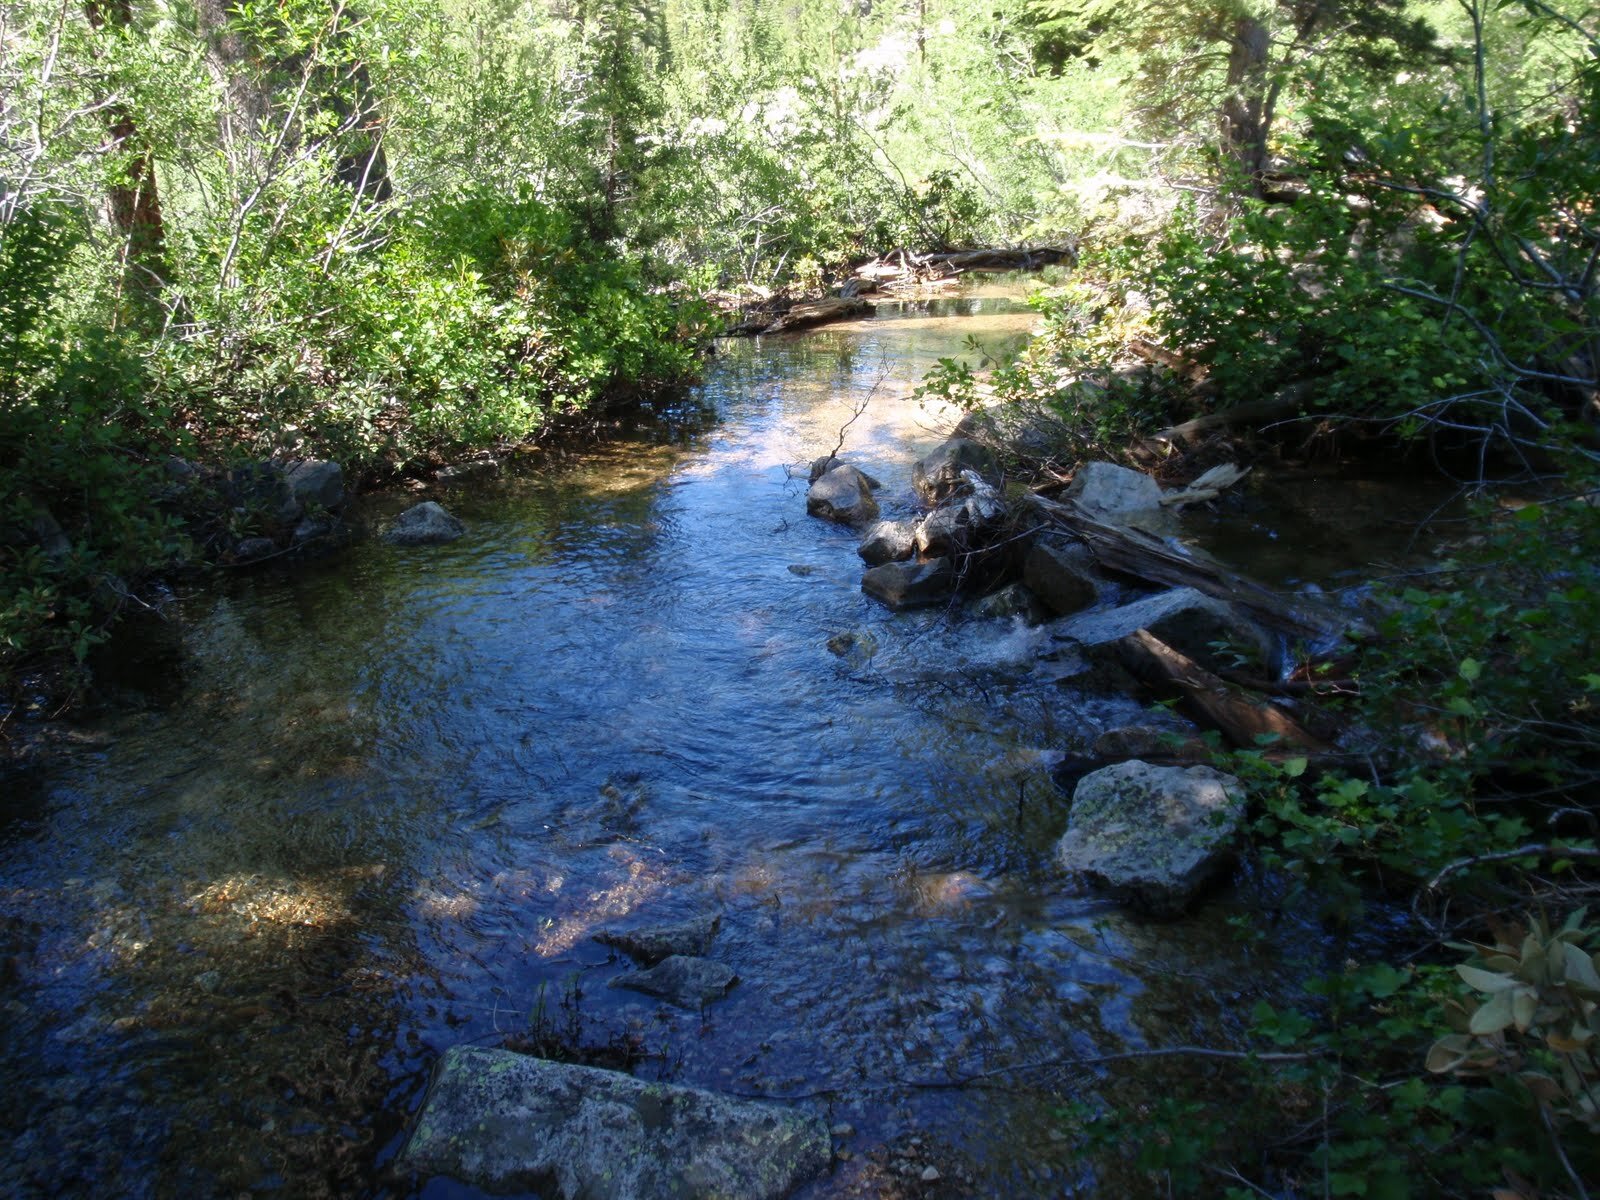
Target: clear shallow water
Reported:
[(381, 806)]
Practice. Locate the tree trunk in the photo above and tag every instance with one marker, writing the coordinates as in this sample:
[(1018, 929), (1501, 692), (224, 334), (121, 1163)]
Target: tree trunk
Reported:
[(133, 200), (1245, 119)]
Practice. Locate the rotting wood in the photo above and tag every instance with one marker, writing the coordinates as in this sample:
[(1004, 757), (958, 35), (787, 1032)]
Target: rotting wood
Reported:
[(1129, 550), (1243, 719)]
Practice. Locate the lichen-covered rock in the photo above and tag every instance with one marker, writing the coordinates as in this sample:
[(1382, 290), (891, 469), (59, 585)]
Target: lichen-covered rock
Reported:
[(422, 525), (939, 475), (1114, 493), (1061, 573), (844, 495), (1151, 836), (888, 541), (657, 942), (1185, 619), (910, 585), (681, 979), (504, 1122)]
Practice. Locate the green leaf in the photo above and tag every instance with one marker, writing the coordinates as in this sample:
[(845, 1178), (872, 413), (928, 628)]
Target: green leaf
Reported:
[(1493, 1016), (1470, 669), (1295, 767), (1484, 981)]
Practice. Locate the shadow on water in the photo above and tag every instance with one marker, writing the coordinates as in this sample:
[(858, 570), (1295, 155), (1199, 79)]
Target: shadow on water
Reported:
[(382, 805)]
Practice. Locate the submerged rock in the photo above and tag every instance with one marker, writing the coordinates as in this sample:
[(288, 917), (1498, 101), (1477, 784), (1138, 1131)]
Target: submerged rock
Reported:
[(911, 585), (681, 979), (1151, 836), (1013, 600), (844, 494), (505, 1122), (939, 475), (424, 524), (657, 942)]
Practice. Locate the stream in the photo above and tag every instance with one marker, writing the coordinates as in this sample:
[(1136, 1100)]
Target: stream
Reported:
[(379, 806)]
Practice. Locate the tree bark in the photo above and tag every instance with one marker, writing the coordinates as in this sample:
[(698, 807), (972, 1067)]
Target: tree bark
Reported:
[(134, 201)]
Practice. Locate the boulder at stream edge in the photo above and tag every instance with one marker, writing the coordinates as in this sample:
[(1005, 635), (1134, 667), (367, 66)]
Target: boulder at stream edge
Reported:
[(1152, 836), (940, 474), (1202, 627), (911, 585), (505, 1122)]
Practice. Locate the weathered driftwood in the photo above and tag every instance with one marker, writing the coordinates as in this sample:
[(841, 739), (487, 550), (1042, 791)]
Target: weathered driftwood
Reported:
[(902, 264), (1244, 719), (1129, 550), (820, 312)]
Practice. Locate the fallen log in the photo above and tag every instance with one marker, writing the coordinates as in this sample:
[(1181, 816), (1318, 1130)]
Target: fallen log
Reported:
[(1287, 403), (819, 312), (1245, 720), (1129, 550)]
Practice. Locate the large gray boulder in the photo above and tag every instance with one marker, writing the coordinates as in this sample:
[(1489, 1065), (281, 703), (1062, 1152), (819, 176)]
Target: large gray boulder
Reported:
[(888, 541), (939, 475), (316, 482), (910, 585), (1114, 494), (422, 525), (1152, 836), (1206, 629), (1061, 573), (504, 1122), (844, 495)]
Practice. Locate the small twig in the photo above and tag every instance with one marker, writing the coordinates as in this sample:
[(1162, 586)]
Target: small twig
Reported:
[(1546, 848)]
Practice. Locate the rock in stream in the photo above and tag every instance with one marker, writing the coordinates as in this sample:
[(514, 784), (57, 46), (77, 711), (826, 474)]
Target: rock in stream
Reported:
[(506, 1122)]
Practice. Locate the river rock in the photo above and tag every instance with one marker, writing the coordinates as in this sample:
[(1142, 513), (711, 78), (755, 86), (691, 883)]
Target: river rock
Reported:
[(1151, 836), (658, 942), (888, 541), (461, 472), (681, 979), (1013, 600), (253, 549), (1184, 618), (505, 1122), (422, 525), (318, 483), (911, 585), (1061, 573), (939, 475), (821, 466), (1112, 493), (844, 495), (962, 522)]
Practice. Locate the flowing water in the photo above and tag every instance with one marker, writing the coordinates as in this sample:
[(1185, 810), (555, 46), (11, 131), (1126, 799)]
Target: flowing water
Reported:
[(379, 807)]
